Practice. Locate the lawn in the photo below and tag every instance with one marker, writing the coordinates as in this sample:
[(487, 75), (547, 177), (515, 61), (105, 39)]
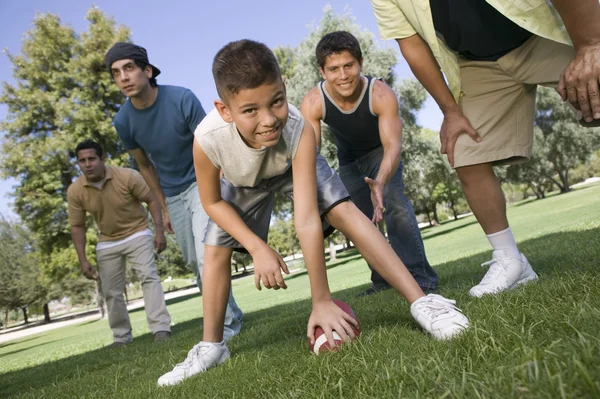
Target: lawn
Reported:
[(540, 340)]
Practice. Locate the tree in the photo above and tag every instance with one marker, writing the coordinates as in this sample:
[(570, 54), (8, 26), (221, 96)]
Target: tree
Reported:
[(19, 273), (568, 144), (63, 95), (537, 174)]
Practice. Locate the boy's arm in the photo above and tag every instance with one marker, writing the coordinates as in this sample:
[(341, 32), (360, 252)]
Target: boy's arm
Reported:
[(148, 172), (307, 222), (385, 106), (312, 110), (424, 66), (267, 262)]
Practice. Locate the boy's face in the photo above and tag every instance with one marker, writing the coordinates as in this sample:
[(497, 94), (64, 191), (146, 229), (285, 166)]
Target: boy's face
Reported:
[(131, 79), (91, 165), (259, 114), (342, 72)]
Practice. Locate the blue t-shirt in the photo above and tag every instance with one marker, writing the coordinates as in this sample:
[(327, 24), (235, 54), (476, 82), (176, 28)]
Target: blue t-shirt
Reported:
[(165, 131)]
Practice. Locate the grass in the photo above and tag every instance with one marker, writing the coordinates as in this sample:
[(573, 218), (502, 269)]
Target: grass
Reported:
[(536, 341)]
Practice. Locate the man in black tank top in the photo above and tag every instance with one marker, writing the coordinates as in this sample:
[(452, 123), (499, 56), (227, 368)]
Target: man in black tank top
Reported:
[(362, 112)]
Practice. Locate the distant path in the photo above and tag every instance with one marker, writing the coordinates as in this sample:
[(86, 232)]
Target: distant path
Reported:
[(136, 304)]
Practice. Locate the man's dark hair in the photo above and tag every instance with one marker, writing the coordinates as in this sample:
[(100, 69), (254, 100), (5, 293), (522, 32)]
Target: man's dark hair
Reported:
[(244, 64), (89, 145), (143, 66), (335, 43)]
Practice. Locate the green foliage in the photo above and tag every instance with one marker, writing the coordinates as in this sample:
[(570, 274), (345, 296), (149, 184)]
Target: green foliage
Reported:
[(567, 143), (283, 237), (63, 95), (19, 272)]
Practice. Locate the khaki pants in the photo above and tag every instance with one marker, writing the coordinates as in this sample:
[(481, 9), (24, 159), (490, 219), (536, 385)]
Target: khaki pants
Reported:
[(111, 266), (498, 98)]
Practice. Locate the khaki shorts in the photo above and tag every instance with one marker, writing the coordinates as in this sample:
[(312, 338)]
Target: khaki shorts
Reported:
[(498, 98)]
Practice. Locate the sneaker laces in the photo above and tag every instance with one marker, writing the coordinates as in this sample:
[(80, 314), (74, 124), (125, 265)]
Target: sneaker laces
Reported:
[(194, 354), (436, 305), (493, 272)]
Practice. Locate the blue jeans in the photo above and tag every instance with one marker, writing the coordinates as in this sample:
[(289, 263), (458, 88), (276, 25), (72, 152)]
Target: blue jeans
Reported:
[(401, 223), (189, 222)]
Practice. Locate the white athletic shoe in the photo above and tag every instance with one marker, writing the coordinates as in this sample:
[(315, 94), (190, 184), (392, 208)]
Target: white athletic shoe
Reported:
[(201, 357), (504, 273), (439, 316)]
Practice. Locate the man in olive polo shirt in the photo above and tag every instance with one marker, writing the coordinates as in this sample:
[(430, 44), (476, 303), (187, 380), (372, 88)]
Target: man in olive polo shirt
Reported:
[(113, 197)]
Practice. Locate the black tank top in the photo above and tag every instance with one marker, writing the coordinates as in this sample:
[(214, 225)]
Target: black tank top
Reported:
[(356, 131)]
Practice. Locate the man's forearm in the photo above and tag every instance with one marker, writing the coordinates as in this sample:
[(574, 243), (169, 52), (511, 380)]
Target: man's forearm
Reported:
[(78, 237), (155, 211), (151, 177), (582, 20), (389, 164), (424, 66)]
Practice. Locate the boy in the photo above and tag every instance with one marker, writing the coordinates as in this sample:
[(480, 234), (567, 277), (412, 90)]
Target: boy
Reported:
[(362, 112), (252, 136), (113, 196)]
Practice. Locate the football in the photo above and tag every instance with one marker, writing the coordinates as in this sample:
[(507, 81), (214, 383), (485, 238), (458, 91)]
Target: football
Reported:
[(321, 343)]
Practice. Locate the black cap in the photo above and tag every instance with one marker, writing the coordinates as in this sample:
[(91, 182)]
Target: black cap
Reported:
[(124, 51)]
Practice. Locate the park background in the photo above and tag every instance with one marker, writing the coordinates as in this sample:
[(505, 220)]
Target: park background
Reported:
[(59, 93)]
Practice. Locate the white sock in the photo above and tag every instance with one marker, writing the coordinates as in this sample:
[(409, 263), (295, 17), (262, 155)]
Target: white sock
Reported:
[(504, 241)]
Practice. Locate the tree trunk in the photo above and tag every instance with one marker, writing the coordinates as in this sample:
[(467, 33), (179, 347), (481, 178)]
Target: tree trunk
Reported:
[(46, 313), (453, 206), (564, 178), (5, 319), (127, 295), (25, 319), (435, 215), (332, 254), (428, 217)]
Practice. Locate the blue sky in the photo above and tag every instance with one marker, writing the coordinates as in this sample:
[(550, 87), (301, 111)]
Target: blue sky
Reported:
[(182, 36)]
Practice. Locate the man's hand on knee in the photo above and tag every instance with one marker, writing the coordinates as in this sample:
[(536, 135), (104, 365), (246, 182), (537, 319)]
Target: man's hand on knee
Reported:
[(455, 124)]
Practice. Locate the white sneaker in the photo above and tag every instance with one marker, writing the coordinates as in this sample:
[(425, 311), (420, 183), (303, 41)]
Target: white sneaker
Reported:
[(439, 316), (201, 357), (504, 273)]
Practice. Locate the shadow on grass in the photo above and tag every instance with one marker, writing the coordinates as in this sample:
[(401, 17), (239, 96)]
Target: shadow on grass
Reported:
[(429, 232), (15, 342), (556, 255), (30, 347)]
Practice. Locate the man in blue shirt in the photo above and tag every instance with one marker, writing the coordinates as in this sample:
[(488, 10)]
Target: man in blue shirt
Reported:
[(156, 125)]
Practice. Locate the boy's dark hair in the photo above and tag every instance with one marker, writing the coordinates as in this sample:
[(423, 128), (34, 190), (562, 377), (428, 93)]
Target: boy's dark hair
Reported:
[(244, 64), (335, 43), (143, 66), (89, 145)]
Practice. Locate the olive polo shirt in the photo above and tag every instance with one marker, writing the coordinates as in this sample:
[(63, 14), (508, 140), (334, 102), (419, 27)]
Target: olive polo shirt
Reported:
[(116, 207)]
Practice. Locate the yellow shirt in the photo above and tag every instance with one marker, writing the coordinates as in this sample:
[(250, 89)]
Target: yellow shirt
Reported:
[(399, 19), (116, 207)]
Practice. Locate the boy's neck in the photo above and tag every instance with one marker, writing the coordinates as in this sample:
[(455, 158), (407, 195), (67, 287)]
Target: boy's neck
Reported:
[(347, 103), (145, 98)]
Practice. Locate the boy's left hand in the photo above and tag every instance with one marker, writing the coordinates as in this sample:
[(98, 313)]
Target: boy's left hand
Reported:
[(267, 268), (330, 318)]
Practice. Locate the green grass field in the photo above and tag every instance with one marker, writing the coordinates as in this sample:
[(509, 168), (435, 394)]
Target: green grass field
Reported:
[(536, 341)]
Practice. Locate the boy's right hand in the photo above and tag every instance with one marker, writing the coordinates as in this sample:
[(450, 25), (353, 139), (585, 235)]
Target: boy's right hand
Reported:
[(268, 265), (330, 318)]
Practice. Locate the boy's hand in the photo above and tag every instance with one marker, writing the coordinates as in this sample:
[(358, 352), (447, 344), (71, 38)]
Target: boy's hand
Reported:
[(330, 318), (268, 265)]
